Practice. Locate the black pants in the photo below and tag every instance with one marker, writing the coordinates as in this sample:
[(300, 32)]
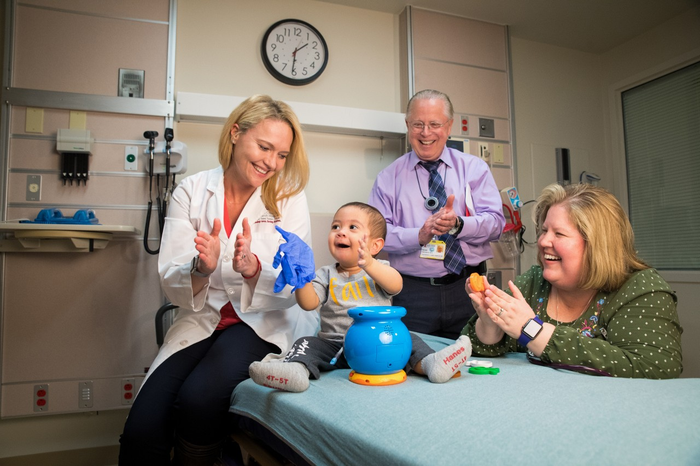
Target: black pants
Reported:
[(441, 310), (190, 394)]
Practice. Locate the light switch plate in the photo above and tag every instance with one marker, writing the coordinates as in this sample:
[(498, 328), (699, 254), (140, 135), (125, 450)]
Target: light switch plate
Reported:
[(33, 187), (498, 154), (34, 120), (85, 394)]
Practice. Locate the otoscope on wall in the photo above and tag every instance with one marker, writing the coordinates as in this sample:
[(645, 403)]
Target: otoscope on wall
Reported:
[(165, 159), (151, 136)]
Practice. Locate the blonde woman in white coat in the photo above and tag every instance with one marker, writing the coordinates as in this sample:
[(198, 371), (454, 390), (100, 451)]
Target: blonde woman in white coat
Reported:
[(216, 252)]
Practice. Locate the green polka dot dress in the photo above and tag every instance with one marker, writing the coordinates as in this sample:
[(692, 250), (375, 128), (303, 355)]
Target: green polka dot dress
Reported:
[(631, 332)]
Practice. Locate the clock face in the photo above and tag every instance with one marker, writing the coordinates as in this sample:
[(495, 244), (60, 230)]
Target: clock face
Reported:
[(294, 52)]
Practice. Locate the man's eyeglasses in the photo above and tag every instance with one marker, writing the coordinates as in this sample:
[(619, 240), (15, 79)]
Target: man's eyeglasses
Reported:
[(418, 126)]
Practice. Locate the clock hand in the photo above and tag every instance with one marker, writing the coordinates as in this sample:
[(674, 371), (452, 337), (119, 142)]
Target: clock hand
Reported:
[(294, 55)]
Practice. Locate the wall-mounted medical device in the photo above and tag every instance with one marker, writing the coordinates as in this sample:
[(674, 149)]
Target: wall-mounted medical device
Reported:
[(510, 196), (74, 147), (508, 241), (178, 158), (131, 83), (164, 161), (563, 166), (460, 144)]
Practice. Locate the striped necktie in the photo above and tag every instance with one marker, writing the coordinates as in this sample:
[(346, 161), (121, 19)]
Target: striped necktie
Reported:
[(454, 257)]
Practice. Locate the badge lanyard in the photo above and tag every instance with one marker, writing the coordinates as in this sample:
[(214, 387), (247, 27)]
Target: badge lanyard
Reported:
[(436, 248)]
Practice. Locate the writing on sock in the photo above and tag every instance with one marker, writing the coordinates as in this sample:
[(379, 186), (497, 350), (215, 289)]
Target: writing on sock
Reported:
[(275, 382)]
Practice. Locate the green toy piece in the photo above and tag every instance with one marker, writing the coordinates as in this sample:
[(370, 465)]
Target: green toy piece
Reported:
[(484, 370)]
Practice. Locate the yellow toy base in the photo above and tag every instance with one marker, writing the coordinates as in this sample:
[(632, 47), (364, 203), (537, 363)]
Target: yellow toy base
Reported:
[(386, 379)]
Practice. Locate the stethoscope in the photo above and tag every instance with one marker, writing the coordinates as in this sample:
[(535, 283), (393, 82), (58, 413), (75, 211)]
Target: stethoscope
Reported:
[(431, 203)]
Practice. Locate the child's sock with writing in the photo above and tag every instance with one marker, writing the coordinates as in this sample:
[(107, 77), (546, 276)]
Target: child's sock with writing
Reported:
[(287, 376), (442, 365)]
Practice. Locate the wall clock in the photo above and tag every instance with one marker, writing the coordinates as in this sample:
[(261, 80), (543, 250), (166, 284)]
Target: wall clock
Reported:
[(294, 52)]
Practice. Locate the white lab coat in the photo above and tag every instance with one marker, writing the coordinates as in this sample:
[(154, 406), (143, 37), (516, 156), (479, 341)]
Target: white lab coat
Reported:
[(275, 317)]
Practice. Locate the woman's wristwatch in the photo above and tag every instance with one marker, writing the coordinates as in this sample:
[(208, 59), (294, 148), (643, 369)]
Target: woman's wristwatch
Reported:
[(193, 268), (531, 329)]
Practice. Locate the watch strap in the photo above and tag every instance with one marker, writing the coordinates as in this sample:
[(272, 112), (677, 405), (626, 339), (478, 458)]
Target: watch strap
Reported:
[(457, 228), (524, 338), (193, 269)]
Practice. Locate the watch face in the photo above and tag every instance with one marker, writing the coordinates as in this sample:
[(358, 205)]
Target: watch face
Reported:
[(532, 329), (294, 52)]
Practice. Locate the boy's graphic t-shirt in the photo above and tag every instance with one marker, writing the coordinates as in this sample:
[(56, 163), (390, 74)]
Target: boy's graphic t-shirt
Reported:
[(337, 293)]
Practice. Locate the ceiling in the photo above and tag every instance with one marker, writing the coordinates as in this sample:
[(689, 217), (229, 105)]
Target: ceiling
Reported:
[(594, 26)]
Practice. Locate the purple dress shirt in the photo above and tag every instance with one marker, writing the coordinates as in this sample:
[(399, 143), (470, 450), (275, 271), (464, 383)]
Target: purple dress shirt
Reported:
[(397, 195)]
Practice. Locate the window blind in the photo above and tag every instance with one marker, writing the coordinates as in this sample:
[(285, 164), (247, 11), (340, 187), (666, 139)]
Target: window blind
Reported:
[(662, 147)]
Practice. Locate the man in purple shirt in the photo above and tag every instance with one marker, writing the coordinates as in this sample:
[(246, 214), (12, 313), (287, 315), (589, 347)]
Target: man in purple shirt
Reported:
[(428, 206)]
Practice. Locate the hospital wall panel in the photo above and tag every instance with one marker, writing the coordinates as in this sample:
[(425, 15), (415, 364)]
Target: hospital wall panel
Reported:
[(79, 316), (459, 40), (41, 155), (102, 125), (84, 53), (99, 190), (34, 155), (52, 118), (479, 91), (150, 10)]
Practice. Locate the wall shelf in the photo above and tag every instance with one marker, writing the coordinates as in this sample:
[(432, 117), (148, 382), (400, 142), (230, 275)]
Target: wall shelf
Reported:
[(41, 237), (208, 108)]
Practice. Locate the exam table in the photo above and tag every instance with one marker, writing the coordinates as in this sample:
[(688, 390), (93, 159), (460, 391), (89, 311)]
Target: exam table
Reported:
[(525, 414)]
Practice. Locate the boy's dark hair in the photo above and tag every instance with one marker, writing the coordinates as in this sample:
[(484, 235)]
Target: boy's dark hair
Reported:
[(377, 222)]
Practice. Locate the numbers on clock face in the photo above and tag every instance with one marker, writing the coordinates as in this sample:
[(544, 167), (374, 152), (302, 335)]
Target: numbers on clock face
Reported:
[(295, 51)]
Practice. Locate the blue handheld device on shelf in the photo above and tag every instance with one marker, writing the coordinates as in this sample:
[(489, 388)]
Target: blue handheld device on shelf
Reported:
[(55, 216)]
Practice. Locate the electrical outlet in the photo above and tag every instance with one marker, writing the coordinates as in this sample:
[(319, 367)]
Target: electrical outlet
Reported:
[(33, 187), (484, 152), (85, 394), (131, 159), (464, 125), (128, 391), (41, 398)]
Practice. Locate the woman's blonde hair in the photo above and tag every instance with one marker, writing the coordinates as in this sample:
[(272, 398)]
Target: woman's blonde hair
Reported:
[(609, 255), (292, 179)]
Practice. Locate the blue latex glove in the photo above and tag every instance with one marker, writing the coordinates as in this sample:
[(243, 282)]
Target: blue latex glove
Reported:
[(297, 261)]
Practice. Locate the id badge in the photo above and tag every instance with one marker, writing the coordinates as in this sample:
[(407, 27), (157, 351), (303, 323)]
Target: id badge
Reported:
[(435, 249)]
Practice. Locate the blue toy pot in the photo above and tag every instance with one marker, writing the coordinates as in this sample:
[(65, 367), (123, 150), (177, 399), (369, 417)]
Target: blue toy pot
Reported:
[(377, 343)]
